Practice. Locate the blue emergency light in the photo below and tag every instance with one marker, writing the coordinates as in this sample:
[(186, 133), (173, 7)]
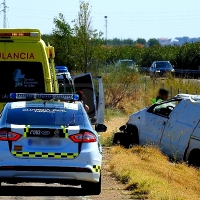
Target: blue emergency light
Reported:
[(28, 96)]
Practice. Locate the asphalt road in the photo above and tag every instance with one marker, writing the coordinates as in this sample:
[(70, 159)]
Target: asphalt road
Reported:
[(111, 189)]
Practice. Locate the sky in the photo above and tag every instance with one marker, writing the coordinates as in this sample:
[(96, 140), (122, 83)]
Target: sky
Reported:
[(126, 18)]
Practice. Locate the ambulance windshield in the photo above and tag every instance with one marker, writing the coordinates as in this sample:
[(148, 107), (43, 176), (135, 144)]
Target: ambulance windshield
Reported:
[(17, 76)]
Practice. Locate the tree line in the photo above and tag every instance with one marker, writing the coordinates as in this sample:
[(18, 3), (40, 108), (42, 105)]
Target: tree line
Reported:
[(81, 47), (130, 42)]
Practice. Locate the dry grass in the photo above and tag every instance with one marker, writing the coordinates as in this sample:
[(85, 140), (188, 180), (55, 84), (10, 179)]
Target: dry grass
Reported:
[(113, 121), (148, 174)]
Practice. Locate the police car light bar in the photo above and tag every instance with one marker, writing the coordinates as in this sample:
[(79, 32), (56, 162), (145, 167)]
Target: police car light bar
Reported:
[(24, 96)]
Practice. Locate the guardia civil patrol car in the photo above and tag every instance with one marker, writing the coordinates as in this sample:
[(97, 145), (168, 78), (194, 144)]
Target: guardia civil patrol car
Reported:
[(50, 142)]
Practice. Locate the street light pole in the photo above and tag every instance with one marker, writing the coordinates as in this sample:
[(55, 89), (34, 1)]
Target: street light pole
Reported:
[(106, 25)]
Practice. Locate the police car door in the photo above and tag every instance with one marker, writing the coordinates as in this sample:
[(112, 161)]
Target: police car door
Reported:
[(85, 82)]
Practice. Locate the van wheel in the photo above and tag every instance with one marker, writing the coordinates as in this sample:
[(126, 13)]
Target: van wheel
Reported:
[(92, 188), (118, 138), (124, 139), (194, 158)]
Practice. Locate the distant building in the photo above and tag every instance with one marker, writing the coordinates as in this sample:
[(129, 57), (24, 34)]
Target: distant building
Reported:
[(177, 41), (164, 41)]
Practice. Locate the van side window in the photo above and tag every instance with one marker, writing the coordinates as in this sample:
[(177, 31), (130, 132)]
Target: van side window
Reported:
[(163, 109)]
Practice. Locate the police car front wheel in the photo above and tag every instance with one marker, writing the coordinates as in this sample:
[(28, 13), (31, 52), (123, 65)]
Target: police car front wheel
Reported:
[(92, 188)]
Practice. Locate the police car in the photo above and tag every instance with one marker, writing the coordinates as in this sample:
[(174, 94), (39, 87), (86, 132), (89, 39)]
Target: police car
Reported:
[(50, 142), (172, 125)]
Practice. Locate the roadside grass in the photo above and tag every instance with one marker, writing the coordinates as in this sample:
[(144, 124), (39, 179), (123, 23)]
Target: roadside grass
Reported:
[(148, 174), (145, 171), (113, 120)]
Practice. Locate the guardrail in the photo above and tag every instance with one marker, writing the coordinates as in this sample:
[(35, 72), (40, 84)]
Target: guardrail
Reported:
[(183, 73), (187, 73)]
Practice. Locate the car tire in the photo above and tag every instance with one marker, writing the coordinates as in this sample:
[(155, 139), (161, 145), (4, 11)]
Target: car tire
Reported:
[(92, 188), (118, 138), (194, 158)]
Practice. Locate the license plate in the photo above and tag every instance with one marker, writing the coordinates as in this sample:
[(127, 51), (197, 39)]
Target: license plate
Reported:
[(44, 142), (46, 133)]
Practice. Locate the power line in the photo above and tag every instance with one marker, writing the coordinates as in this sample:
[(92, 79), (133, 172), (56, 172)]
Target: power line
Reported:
[(4, 11)]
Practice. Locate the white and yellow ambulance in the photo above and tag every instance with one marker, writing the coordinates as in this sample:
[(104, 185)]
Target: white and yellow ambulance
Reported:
[(26, 63)]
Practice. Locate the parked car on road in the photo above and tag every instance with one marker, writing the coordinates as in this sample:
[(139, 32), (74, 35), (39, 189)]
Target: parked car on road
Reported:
[(51, 142), (161, 68), (172, 125), (127, 63), (61, 69)]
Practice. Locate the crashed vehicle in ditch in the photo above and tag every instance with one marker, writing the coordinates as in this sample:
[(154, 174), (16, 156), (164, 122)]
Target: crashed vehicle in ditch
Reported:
[(172, 125)]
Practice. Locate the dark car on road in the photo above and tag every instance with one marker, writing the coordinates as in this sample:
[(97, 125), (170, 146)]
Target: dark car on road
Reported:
[(161, 68)]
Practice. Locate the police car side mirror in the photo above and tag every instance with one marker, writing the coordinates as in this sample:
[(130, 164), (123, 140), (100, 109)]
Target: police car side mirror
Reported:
[(100, 128), (122, 128)]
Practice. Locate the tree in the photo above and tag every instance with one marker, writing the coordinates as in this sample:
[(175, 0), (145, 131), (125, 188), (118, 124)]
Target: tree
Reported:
[(62, 41), (141, 41), (86, 38), (153, 42)]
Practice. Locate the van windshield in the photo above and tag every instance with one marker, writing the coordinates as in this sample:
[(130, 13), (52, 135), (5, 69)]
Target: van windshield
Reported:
[(21, 77)]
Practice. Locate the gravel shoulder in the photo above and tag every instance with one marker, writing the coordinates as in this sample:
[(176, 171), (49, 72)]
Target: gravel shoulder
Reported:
[(111, 189)]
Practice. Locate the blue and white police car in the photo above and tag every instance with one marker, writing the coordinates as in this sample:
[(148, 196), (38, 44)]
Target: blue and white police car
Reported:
[(49, 142)]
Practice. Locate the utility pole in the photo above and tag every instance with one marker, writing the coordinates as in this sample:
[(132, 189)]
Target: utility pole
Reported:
[(106, 24), (4, 11)]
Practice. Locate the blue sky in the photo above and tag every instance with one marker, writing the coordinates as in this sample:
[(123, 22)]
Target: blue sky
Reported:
[(126, 18)]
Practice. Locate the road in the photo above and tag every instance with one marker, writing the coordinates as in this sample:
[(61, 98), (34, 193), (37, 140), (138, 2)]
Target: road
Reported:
[(111, 189)]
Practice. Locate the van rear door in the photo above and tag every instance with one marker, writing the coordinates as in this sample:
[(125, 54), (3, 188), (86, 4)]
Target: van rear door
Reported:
[(92, 87)]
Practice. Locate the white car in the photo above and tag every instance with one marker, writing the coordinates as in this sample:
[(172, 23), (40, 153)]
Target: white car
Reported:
[(50, 142), (127, 63), (173, 126)]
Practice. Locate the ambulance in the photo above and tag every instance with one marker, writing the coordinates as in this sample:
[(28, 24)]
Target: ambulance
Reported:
[(27, 66)]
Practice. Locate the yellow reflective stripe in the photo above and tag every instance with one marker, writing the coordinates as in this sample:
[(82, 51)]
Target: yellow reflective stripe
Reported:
[(45, 155), (65, 131), (63, 154), (51, 154), (26, 130), (96, 168)]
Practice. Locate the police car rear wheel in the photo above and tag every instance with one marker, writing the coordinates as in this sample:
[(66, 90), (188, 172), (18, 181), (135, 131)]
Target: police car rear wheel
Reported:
[(92, 188)]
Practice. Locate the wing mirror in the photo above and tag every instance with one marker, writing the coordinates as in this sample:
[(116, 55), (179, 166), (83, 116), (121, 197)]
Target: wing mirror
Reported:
[(122, 128), (100, 128)]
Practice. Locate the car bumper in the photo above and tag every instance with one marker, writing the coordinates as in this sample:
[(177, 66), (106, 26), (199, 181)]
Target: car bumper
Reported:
[(164, 73), (12, 176), (39, 169)]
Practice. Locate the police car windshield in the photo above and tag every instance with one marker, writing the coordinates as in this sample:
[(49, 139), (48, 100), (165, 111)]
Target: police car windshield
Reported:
[(44, 116)]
